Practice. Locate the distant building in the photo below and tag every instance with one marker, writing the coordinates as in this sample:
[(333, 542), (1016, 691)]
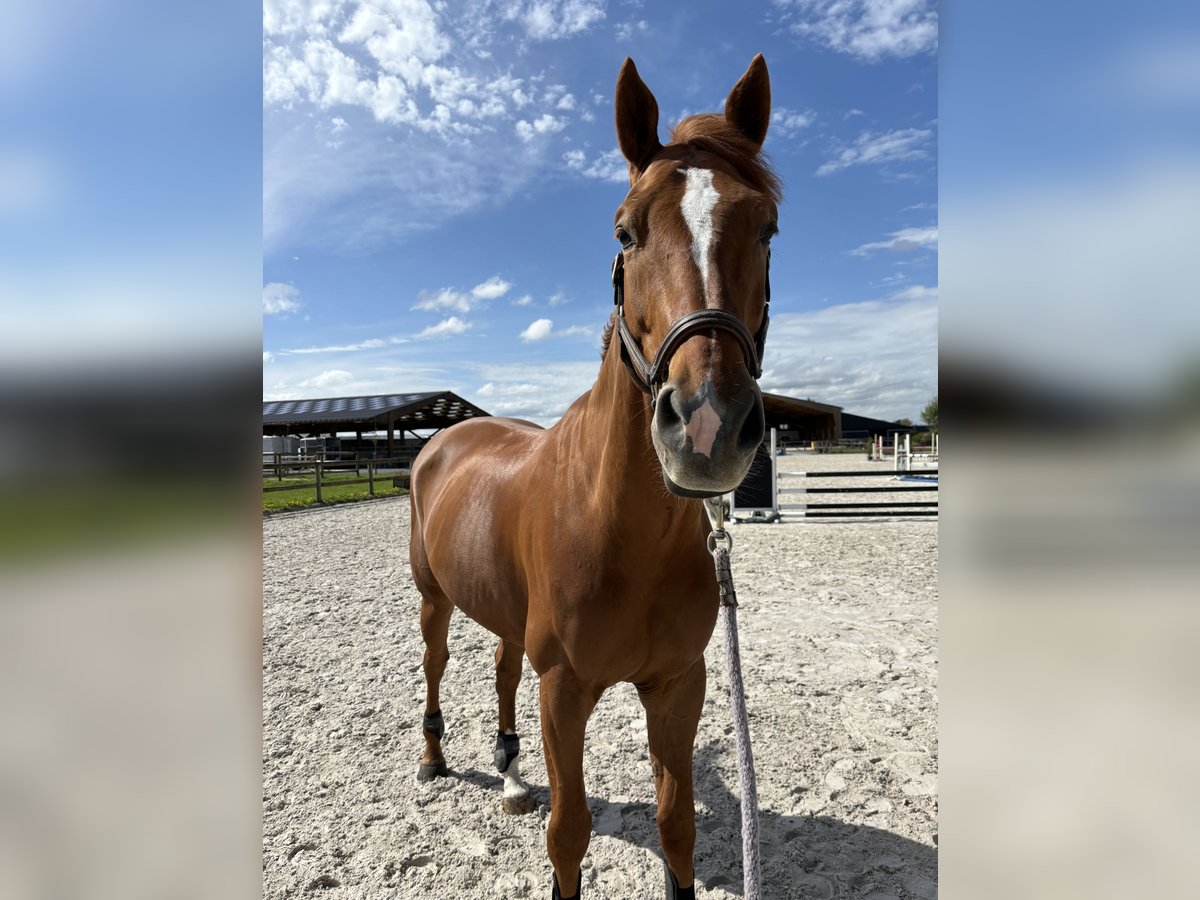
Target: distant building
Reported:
[(801, 422), (393, 414), (807, 422), (863, 427)]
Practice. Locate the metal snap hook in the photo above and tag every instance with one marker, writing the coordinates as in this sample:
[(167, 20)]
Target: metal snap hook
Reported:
[(720, 538)]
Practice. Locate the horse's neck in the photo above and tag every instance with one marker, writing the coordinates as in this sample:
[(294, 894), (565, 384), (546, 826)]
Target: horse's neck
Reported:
[(614, 439)]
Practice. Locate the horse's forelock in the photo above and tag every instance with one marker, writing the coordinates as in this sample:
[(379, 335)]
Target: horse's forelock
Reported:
[(712, 133)]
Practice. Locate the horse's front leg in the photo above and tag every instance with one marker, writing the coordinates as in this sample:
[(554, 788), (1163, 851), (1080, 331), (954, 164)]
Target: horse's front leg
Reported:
[(672, 715), (566, 704)]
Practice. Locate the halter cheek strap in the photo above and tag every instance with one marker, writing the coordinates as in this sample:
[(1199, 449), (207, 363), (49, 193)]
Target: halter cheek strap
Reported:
[(649, 375)]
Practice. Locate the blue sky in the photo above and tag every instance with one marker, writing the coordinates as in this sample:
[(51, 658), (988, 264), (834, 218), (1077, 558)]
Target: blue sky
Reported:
[(439, 184)]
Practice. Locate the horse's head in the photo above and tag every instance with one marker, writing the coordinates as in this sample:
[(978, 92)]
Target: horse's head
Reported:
[(695, 232)]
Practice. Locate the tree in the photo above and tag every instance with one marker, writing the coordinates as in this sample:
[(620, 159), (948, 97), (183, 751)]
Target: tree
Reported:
[(929, 415), (907, 423)]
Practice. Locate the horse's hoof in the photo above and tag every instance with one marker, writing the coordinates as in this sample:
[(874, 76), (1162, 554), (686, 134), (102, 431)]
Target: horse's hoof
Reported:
[(674, 891), (556, 894), (430, 771), (518, 805)]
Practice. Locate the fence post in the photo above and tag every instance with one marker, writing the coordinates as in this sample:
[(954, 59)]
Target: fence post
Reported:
[(371, 477), (319, 468)]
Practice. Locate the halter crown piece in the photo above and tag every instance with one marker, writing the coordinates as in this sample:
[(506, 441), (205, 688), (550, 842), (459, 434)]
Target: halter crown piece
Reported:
[(649, 375)]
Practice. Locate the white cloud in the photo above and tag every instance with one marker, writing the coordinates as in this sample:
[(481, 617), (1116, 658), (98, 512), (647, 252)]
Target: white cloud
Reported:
[(784, 121), (438, 107), (544, 124), (608, 166), (869, 30), (558, 298), (330, 378), (850, 113), (546, 20), (280, 299), (446, 298), (267, 357), (542, 329), (290, 16), (538, 330), (462, 301), (400, 36), (389, 57), (445, 328), (539, 392), (369, 344), (491, 289), (870, 148), (904, 240), (626, 30), (523, 300), (874, 358)]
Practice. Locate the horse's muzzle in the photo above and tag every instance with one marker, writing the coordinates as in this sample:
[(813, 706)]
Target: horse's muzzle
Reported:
[(706, 441)]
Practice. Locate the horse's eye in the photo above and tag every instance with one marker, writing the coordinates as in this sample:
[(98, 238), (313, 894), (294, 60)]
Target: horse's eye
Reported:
[(769, 232), (625, 238)]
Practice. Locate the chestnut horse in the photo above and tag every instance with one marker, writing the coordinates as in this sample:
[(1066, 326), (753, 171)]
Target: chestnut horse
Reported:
[(583, 545)]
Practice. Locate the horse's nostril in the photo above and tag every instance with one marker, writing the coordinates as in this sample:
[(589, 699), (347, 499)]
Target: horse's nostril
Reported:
[(666, 411), (754, 428)]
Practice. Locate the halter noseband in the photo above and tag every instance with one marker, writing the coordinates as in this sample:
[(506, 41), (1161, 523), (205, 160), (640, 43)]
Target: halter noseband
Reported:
[(649, 375)]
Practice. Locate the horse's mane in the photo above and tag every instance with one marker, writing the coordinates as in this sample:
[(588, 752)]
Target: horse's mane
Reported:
[(606, 337), (712, 133)]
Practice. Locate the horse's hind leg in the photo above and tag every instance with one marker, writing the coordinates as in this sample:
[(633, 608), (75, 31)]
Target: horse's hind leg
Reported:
[(508, 746), (435, 628)]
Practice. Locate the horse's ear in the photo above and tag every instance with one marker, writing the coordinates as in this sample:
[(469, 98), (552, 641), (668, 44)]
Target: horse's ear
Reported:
[(748, 107), (637, 120)]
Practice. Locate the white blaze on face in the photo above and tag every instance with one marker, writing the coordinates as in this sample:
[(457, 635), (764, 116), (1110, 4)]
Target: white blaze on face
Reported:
[(702, 428), (699, 200)]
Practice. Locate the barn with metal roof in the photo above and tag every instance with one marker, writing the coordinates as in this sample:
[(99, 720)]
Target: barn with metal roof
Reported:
[(802, 421), (393, 413)]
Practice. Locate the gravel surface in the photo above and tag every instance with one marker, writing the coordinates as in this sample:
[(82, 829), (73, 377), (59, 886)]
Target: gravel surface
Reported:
[(838, 627)]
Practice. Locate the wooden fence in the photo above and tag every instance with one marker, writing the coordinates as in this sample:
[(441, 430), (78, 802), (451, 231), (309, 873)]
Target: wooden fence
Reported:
[(320, 466)]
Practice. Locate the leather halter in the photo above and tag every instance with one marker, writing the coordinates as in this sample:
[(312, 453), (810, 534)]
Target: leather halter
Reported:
[(649, 375)]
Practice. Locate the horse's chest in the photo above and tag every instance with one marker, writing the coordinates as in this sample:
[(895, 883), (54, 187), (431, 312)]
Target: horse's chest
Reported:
[(625, 621)]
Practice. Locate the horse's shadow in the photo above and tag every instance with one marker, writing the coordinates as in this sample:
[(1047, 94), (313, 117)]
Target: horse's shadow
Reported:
[(803, 856)]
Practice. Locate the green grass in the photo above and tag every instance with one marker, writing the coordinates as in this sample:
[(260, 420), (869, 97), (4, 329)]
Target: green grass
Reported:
[(331, 491)]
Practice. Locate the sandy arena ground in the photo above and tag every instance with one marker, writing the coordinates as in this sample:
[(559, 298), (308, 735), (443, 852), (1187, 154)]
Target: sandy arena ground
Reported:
[(838, 625)]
